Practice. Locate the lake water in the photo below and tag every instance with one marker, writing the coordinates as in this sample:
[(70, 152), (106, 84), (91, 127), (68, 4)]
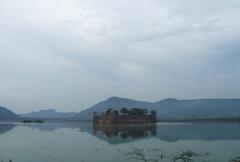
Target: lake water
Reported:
[(80, 142)]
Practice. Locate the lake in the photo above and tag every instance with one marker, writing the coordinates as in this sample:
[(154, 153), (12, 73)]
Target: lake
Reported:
[(81, 142)]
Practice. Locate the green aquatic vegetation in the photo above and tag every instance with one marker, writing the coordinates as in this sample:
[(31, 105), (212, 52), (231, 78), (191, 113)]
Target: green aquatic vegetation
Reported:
[(185, 156), (159, 155), (10, 160), (189, 156), (137, 154), (237, 159), (149, 155), (80, 130)]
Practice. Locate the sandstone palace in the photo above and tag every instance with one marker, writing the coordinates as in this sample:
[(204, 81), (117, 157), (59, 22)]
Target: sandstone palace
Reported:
[(125, 116)]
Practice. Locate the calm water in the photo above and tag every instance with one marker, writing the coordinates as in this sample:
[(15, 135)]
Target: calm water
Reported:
[(77, 142)]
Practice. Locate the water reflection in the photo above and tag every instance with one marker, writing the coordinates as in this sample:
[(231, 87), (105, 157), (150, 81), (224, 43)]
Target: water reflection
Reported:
[(165, 132), (116, 135), (169, 132), (207, 132), (50, 127), (83, 141), (4, 128)]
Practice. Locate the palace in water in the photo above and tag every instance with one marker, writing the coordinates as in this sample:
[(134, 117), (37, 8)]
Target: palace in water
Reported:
[(124, 116)]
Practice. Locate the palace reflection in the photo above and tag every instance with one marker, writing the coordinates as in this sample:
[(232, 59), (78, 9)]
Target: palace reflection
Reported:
[(123, 134), (169, 132)]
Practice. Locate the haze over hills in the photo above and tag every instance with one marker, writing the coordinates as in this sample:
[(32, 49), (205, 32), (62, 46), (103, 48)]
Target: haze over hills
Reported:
[(113, 102), (171, 108), (7, 115), (49, 113), (166, 109)]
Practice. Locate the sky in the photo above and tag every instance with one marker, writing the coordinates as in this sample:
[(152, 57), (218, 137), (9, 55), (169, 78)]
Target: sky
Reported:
[(71, 54)]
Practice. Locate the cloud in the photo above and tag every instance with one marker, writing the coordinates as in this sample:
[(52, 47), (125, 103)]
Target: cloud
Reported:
[(70, 54)]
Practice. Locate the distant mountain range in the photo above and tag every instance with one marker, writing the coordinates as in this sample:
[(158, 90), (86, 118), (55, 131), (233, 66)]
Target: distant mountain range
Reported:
[(166, 109), (171, 108), (49, 113), (7, 115)]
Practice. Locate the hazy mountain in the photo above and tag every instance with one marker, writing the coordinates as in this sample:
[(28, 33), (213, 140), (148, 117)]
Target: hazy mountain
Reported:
[(171, 108), (7, 115), (49, 113), (113, 102), (202, 108)]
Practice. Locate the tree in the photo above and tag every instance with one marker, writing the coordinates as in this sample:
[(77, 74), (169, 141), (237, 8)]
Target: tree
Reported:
[(124, 110)]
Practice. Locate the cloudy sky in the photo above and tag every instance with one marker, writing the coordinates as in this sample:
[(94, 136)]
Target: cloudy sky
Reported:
[(70, 54)]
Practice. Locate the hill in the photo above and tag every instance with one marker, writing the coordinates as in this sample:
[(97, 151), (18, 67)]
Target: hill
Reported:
[(113, 102), (171, 108), (7, 115), (49, 113)]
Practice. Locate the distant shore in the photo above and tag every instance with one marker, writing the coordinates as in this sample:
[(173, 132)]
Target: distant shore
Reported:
[(199, 120), (203, 120)]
